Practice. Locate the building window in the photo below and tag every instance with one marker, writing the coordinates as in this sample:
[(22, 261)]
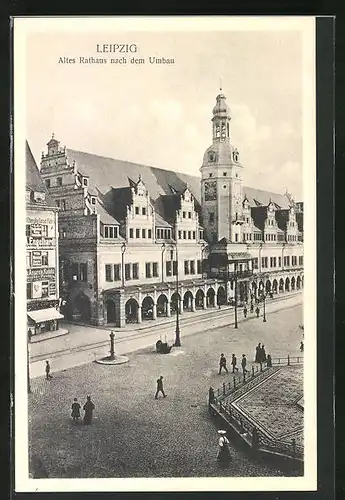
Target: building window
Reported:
[(59, 181), (48, 183), (131, 233), (184, 235), (28, 291), (158, 233), (137, 233), (211, 217), (166, 234), (210, 175), (108, 272), (127, 271), (225, 174), (189, 215), (186, 266), (179, 235), (149, 233), (256, 263), (192, 267), (83, 272), (194, 235), (110, 232), (198, 267), (144, 211), (62, 205), (143, 233), (168, 268), (174, 267), (184, 215), (85, 182), (135, 270), (189, 235), (117, 272), (236, 237), (137, 210), (148, 270), (155, 269), (45, 289)]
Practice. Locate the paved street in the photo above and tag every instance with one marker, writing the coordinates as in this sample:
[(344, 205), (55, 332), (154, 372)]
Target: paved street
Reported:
[(134, 435), (84, 344)]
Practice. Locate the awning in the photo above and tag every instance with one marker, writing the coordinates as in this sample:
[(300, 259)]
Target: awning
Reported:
[(44, 314)]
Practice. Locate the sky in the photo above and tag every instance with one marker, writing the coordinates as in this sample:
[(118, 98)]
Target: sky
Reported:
[(160, 115)]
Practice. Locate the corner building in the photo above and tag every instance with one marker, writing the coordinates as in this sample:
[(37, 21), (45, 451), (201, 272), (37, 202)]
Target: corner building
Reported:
[(42, 256), (128, 231)]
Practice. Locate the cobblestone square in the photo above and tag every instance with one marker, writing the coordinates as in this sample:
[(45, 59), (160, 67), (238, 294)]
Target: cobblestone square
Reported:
[(134, 435)]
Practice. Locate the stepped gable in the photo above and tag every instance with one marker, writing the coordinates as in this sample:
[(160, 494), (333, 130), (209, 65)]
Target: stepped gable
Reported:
[(34, 181)]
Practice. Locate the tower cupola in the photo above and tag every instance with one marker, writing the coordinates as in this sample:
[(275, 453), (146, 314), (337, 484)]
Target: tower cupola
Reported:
[(221, 119)]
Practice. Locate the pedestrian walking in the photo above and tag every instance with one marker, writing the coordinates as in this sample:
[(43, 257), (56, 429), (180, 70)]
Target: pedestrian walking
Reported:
[(269, 361), (245, 311), (160, 387), (257, 311), (252, 307), (234, 363), (75, 410), (223, 455), (222, 364), (244, 364), (301, 347), (88, 409), (258, 353), (48, 375), (263, 354)]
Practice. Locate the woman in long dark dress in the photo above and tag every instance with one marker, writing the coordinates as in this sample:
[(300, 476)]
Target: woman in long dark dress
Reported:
[(223, 455), (88, 408)]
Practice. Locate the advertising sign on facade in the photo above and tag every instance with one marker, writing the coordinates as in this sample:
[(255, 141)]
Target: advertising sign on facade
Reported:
[(37, 274), (37, 290), (52, 288), (36, 259)]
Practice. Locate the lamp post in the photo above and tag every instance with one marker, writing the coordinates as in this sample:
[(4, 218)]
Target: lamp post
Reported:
[(163, 250), (123, 249), (177, 329), (236, 325), (203, 246), (264, 297)]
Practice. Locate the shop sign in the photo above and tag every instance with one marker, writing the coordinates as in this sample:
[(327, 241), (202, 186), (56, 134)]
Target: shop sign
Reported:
[(36, 230), (36, 258), (52, 288), (40, 220), (42, 242), (44, 273)]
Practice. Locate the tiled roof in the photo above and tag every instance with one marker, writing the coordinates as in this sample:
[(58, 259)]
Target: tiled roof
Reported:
[(111, 180), (264, 198), (34, 181)]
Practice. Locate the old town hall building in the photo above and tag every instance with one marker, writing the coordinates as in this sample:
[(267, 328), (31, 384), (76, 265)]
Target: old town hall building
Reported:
[(126, 231)]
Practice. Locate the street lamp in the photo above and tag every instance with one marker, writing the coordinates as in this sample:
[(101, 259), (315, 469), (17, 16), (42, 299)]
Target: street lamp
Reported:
[(264, 297), (236, 325), (177, 329), (123, 249), (163, 250)]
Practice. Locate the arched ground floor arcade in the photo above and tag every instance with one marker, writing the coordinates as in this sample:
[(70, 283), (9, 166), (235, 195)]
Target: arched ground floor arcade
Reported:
[(137, 304)]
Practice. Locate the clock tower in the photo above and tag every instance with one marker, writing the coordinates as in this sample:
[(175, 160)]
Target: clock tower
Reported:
[(221, 181)]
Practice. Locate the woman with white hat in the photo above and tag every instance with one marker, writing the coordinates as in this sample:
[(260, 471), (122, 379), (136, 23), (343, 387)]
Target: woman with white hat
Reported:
[(223, 455)]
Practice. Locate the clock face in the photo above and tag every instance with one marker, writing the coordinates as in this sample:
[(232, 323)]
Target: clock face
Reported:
[(210, 191)]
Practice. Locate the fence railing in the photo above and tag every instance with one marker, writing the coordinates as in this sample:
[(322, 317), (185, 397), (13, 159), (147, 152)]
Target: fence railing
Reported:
[(221, 398)]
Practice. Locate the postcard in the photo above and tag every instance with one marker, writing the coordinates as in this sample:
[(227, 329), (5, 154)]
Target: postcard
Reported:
[(165, 254)]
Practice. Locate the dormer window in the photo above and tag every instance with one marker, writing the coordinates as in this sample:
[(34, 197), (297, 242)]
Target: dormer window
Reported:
[(110, 232), (136, 210), (85, 181), (39, 196), (93, 200)]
